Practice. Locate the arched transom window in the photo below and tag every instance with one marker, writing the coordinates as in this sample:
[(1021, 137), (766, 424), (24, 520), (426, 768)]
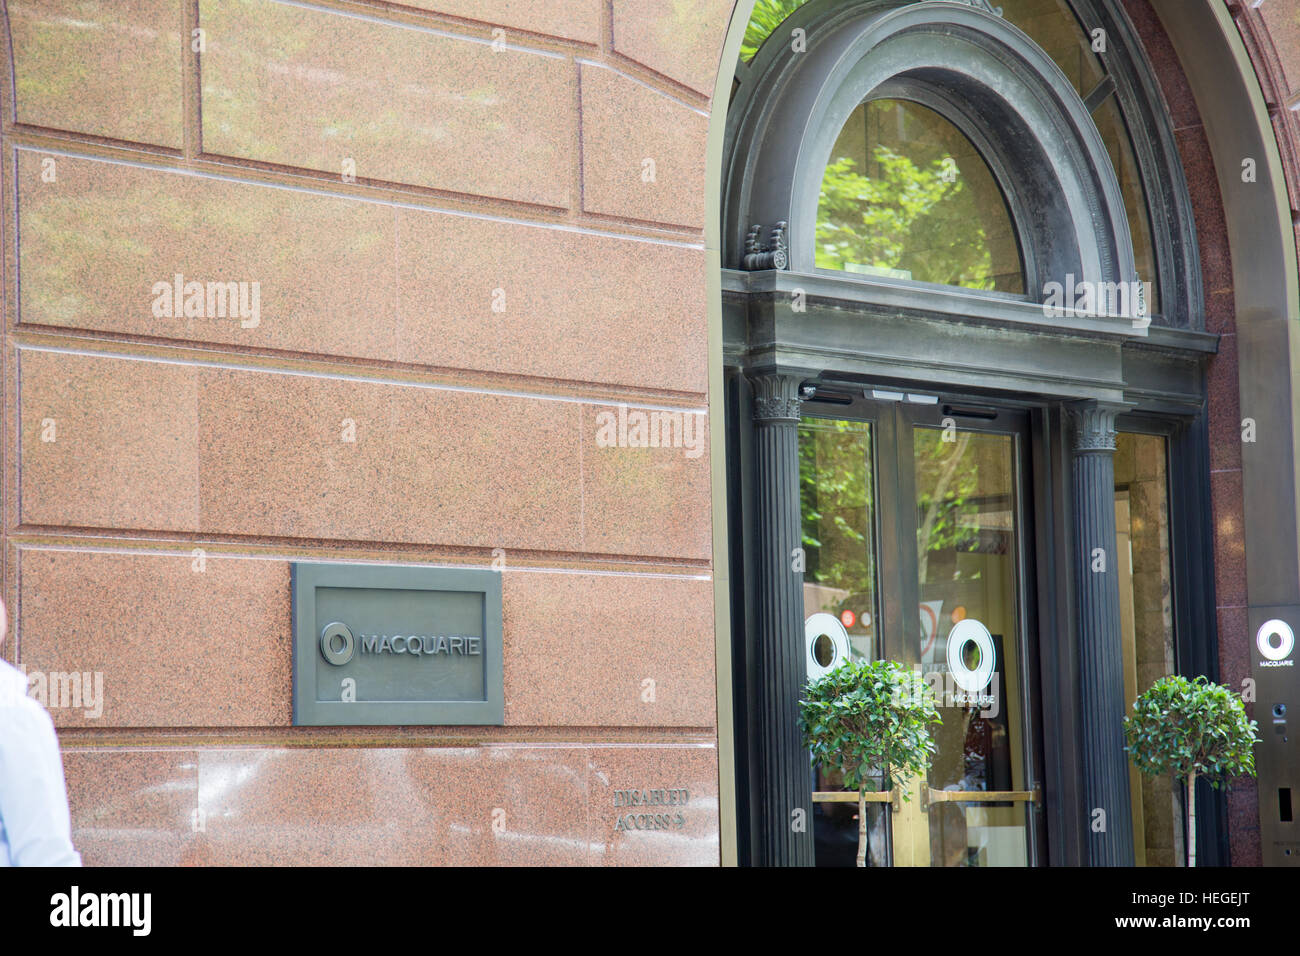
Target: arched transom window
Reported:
[(1002, 151)]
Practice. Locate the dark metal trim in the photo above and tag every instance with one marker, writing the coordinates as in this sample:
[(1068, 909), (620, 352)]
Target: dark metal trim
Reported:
[(1101, 683), (897, 588), (893, 297), (1058, 637), (1128, 77)]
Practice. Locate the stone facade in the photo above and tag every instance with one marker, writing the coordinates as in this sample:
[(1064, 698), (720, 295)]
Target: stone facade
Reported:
[(473, 226)]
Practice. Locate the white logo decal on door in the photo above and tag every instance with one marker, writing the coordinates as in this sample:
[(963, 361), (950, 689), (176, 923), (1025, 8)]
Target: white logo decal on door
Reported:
[(834, 647), (971, 631)]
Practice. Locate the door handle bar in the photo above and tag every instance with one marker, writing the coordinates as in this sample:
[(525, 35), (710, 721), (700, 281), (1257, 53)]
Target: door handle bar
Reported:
[(848, 796), (929, 795)]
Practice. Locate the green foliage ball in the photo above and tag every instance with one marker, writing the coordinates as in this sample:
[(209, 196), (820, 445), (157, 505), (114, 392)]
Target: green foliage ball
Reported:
[(866, 716), (1182, 726)]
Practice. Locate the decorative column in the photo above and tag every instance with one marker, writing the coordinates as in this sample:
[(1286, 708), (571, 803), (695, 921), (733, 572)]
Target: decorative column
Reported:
[(1101, 664), (784, 836)]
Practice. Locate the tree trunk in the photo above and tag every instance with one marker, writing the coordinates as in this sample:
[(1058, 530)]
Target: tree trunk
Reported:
[(862, 826), (1191, 819)]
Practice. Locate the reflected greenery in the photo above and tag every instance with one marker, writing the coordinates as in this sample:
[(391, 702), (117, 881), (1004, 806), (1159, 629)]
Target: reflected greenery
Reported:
[(767, 16), (837, 499), (836, 502), (873, 222), (955, 236), (906, 195), (946, 478)]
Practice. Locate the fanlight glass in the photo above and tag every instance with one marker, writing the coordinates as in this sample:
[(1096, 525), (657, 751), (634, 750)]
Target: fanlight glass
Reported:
[(906, 195)]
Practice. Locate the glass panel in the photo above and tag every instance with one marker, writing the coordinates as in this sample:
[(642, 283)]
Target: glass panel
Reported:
[(837, 501), (767, 16), (906, 195), (1110, 122), (1053, 26), (1147, 625), (967, 565)]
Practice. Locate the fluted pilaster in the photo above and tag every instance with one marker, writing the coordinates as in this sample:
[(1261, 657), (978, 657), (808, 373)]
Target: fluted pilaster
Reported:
[(1101, 663), (782, 760)]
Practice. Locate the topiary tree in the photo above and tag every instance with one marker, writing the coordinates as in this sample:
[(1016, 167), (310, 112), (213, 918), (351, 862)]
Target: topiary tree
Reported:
[(868, 715), (1191, 728)]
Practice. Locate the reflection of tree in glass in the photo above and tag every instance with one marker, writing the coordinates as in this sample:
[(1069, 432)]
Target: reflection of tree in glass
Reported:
[(906, 218), (767, 16), (835, 498), (945, 479)]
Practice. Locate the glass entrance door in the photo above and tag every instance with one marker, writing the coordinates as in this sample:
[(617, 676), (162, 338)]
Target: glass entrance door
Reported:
[(914, 524)]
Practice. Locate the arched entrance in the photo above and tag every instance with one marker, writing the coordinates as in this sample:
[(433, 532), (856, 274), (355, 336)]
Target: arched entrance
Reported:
[(870, 347)]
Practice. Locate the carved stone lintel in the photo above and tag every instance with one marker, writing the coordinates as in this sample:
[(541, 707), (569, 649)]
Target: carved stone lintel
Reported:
[(776, 398), (1094, 425)]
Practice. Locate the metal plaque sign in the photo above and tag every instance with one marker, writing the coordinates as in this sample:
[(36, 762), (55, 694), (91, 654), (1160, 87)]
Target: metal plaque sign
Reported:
[(395, 644)]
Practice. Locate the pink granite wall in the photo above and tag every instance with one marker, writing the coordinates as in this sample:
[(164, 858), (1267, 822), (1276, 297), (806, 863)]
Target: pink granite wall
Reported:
[(473, 226)]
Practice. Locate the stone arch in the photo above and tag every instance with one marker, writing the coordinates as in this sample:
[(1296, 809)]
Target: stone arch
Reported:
[(1003, 91)]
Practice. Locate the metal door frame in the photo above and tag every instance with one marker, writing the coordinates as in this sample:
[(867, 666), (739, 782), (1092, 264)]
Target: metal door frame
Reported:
[(894, 484)]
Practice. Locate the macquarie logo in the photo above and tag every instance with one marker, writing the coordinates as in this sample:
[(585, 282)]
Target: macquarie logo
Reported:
[(339, 645), (74, 908), (1275, 641)]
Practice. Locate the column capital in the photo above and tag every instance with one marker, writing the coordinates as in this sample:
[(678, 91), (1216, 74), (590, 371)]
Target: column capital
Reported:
[(776, 398), (1094, 424)]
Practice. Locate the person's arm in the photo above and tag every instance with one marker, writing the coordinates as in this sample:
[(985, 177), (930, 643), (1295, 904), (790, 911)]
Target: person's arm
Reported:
[(33, 797)]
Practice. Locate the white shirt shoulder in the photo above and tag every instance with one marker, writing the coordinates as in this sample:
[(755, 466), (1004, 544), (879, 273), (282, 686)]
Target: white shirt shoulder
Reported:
[(35, 829)]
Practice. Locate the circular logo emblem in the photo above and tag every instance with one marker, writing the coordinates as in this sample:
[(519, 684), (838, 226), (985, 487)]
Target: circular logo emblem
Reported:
[(1285, 640), (970, 631), (827, 644), (337, 644)]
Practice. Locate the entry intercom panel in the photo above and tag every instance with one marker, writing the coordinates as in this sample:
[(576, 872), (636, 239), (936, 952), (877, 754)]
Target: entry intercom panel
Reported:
[(1277, 711)]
